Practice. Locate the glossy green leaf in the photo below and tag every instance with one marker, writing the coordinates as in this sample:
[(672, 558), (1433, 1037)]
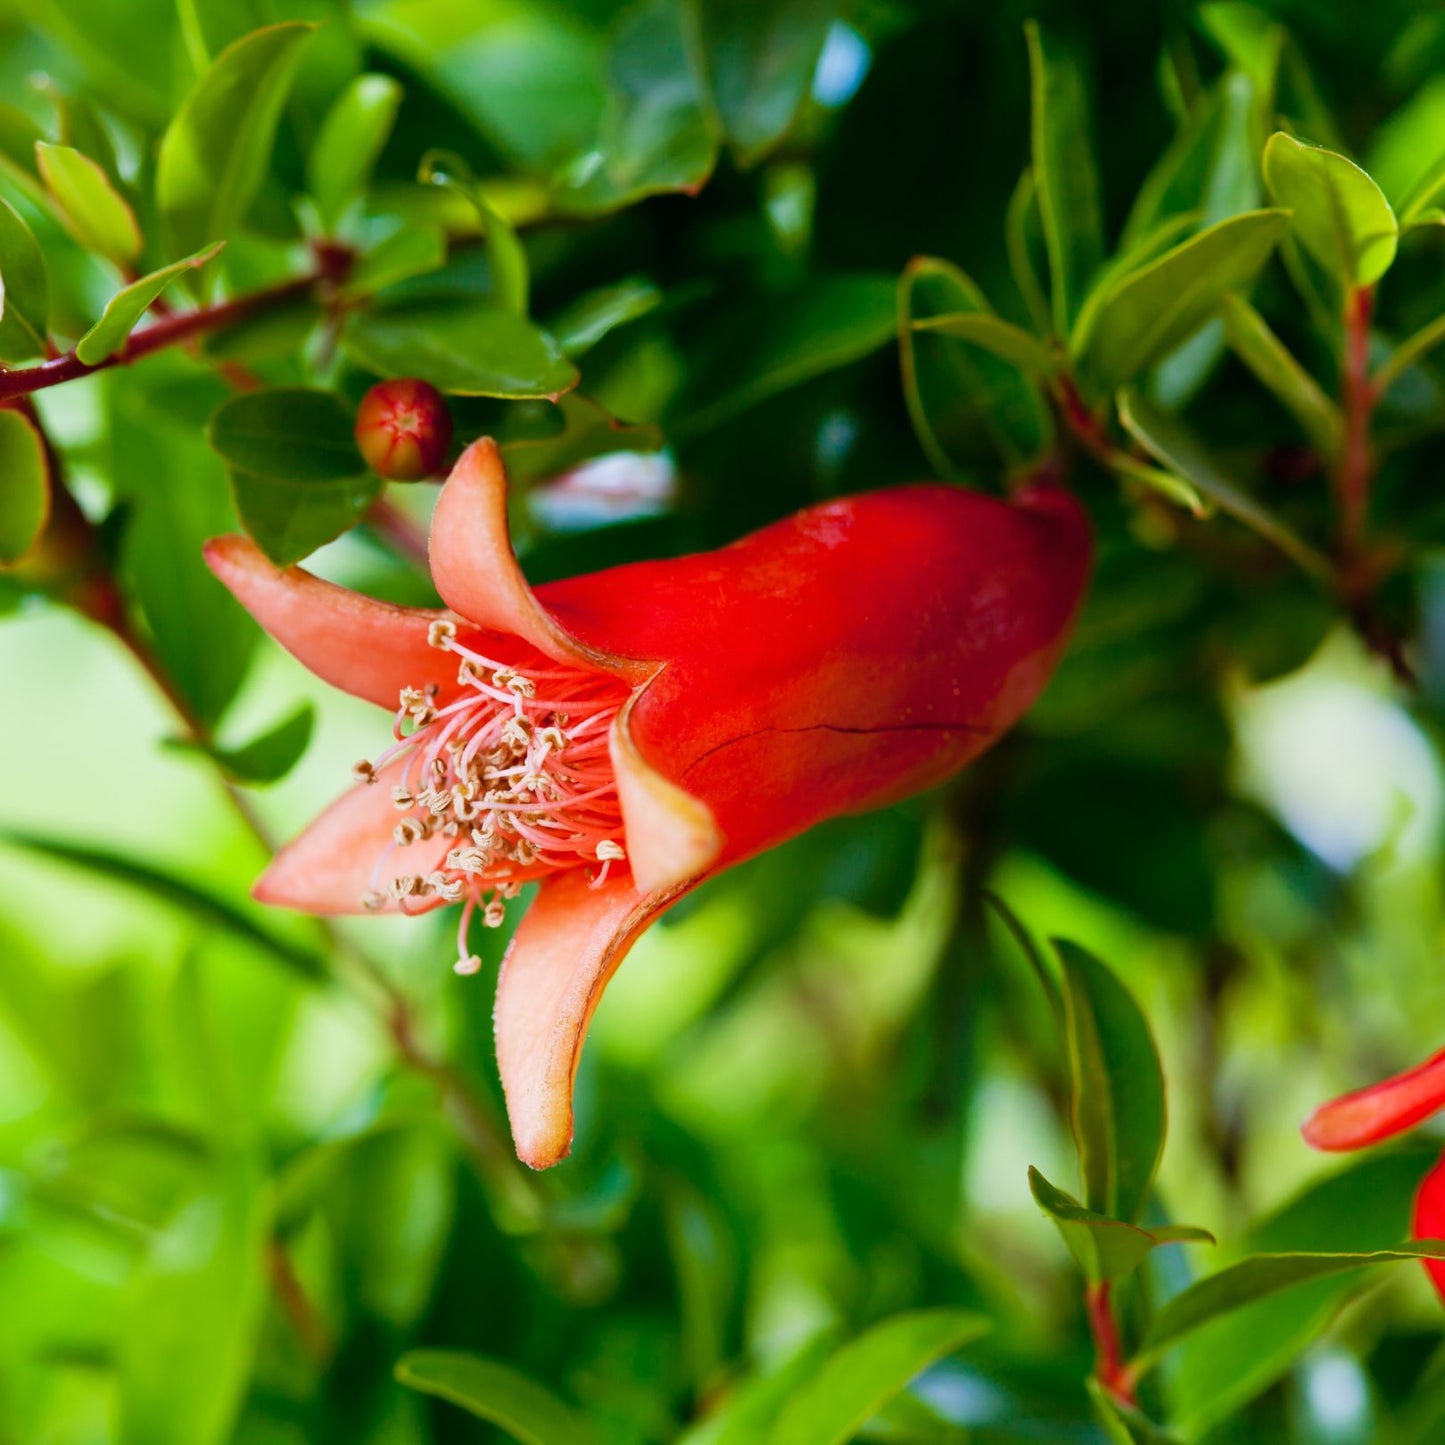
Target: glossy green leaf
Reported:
[(506, 256), (964, 398), (496, 1393), (656, 133), (352, 136), (214, 154), (127, 306), (1118, 1086), (1105, 1248), (412, 251), (992, 333), (1123, 1424), (1410, 351), (1257, 1277), (18, 136), (287, 433), (93, 211), (1168, 484), (749, 1411), (1168, 441), (465, 347), (266, 758), (581, 325), (290, 519), (24, 290), (1340, 215), (1425, 195), (1064, 173), (866, 1373), (761, 56), (204, 907), (1275, 367), (1158, 307), (772, 346), (24, 485)]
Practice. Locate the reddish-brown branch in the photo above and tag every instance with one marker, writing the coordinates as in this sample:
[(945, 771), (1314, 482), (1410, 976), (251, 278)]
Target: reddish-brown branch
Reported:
[(171, 330), (1081, 423), (1109, 1367), (1356, 462)]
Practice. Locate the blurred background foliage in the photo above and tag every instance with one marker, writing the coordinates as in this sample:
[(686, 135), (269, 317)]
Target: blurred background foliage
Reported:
[(248, 1164)]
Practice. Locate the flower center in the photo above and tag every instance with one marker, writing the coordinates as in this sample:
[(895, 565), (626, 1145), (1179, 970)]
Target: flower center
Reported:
[(513, 775)]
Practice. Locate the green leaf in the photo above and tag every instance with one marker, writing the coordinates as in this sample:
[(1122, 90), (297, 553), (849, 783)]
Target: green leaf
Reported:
[(1006, 341), (1254, 1279), (830, 323), (18, 136), (1044, 971), (588, 431), (1024, 236), (127, 306), (1118, 1086), (1105, 1248), (462, 346), (352, 136), (193, 1315), (963, 397), (1063, 167), (1169, 442), (1123, 1424), (748, 1411), (869, 1371), (287, 433), (289, 519), (93, 211), (412, 251), (1340, 215), (506, 256), (496, 1393), (265, 759), (195, 902), (24, 485), (214, 154), (761, 55), (1407, 353), (24, 290), (1275, 367), (1156, 308), (656, 133), (580, 326)]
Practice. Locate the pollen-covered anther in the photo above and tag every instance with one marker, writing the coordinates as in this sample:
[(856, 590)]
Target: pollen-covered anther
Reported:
[(442, 633), (363, 772), (467, 966), (610, 851)]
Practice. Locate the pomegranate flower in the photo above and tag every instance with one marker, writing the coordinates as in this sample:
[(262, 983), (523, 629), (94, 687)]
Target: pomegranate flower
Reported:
[(1379, 1112), (619, 737)]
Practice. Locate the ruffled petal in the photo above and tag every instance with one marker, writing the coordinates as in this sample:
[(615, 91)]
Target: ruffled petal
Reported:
[(1367, 1116), (1429, 1220), (347, 852), (477, 573), (566, 949), (367, 648)]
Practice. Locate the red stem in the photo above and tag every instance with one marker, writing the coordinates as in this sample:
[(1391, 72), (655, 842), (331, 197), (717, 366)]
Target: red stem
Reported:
[(169, 331), (1113, 1374), (1356, 464)]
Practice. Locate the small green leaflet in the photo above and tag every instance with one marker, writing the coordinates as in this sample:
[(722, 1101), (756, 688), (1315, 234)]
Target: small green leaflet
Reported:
[(126, 307)]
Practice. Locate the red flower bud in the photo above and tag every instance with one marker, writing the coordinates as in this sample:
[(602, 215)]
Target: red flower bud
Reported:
[(404, 430), (621, 737), (1371, 1115), (1429, 1221)]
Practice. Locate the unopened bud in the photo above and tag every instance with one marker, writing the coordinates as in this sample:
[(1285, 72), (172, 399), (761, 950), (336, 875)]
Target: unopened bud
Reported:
[(404, 430)]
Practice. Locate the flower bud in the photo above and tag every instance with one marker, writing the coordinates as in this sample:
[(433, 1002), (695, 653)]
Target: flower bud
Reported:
[(403, 429)]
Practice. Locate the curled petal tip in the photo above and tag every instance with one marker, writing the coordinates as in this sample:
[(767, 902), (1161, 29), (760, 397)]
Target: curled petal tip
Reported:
[(1368, 1116)]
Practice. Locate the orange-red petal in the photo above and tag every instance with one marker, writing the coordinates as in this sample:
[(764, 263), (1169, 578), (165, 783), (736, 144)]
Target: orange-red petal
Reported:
[(347, 852), (1367, 1116), (566, 949), (367, 648)]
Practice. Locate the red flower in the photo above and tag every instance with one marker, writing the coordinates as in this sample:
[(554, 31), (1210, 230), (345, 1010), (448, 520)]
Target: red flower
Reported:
[(1372, 1115), (622, 736)]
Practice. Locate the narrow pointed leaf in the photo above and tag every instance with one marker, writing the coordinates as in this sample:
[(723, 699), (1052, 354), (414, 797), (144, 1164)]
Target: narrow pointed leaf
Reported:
[(1064, 173), (580, 326), (412, 251), (214, 154), (1024, 237), (126, 307), (1256, 1278), (506, 256), (24, 290), (1005, 340), (1118, 1086), (496, 1393), (352, 137), (1123, 1424), (1413, 349), (1340, 215), (93, 211), (24, 485), (1160, 306), (868, 1372)]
